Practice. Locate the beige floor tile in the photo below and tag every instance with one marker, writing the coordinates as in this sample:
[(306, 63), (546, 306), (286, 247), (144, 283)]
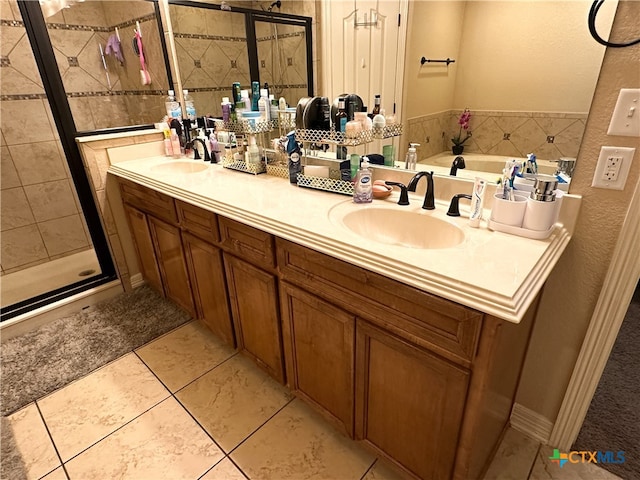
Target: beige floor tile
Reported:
[(33, 442), (297, 443), (543, 469), (184, 354), (87, 410), (233, 400), (57, 474), (514, 458), (164, 442), (383, 470), (225, 470)]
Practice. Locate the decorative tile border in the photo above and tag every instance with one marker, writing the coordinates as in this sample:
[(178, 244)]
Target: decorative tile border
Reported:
[(122, 93), (95, 28), (11, 23), (284, 35), (5, 62), (199, 36), (27, 96)]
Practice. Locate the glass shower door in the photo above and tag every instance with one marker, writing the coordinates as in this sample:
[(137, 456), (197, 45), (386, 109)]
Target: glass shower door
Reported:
[(52, 244)]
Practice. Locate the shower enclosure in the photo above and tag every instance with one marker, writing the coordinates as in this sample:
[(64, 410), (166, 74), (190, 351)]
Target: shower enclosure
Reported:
[(58, 83)]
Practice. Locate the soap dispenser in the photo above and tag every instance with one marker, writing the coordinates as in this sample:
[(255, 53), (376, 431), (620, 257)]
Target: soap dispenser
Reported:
[(363, 189), (412, 157)]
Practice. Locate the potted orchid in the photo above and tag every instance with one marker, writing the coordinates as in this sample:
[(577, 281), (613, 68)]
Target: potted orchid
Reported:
[(458, 140)]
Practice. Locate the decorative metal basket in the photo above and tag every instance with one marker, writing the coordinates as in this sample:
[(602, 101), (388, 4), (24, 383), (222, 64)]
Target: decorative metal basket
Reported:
[(242, 166), (327, 184), (278, 170)]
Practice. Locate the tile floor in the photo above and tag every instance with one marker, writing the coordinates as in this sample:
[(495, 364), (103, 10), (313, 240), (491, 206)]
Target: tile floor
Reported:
[(187, 406)]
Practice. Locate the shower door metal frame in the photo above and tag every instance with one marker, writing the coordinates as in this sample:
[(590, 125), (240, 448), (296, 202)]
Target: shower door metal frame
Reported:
[(36, 29)]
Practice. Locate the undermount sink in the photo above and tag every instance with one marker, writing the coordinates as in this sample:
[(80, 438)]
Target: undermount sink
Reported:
[(405, 228), (180, 166)]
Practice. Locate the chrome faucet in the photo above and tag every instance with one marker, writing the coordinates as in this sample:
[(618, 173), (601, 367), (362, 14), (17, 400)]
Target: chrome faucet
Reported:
[(429, 197), (458, 163)]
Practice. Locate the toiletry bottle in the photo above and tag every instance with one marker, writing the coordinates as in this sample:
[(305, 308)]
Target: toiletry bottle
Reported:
[(354, 163), (263, 106), (341, 117), (214, 147), (376, 107), (226, 109), (477, 202), (172, 106), (254, 151), (255, 95), (168, 149), (244, 104), (412, 157), (175, 143), (282, 104), (189, 106), (363, 189), (273, 107), (235, 92), (323, 120), (295, 166)]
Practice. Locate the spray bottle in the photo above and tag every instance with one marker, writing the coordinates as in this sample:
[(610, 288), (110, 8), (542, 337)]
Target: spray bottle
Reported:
[(412, 157)]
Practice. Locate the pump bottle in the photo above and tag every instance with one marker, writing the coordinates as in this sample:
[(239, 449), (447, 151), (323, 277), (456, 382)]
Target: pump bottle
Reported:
[(189, 106), (412, 157), (363, 189)]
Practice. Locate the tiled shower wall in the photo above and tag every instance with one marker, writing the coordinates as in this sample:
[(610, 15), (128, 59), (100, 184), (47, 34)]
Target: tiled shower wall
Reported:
[(41, 218), (550, 135), (114, 97)]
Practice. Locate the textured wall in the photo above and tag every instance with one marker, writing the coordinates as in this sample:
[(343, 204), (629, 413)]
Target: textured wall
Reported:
[(572, 291)]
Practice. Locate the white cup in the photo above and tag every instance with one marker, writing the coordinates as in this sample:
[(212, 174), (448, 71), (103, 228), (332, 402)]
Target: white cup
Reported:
[(508, 212), (540, 216)]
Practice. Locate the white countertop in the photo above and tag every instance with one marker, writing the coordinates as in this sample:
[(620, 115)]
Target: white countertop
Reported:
[(493, 272)]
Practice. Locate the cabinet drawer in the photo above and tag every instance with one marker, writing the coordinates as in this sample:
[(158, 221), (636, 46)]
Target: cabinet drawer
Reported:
[(248, 243), (198, 221), (445, 327), (149, 201)]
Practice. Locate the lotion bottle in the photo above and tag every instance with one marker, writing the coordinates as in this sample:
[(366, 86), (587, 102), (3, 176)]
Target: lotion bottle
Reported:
[(363, 189), (412, 157), (253, 152), (263, 106)]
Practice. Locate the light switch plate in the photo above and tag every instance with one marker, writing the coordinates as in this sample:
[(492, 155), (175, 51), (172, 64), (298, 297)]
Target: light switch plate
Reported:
[(613, 167), (625, 120)]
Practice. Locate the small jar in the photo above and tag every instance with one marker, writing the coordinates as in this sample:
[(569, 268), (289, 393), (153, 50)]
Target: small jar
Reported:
[(353, 129), (364, 120)]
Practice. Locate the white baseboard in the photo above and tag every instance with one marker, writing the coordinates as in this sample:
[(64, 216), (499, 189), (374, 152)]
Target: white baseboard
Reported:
[(136, 280), (531, 423)]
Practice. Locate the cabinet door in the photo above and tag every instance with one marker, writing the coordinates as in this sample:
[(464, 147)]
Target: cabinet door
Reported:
[(253, 295), (173, 268), (206, 272), (409, 402), (144, 247), (319, 342)]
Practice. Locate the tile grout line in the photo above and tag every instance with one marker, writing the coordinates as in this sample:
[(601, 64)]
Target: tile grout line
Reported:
[(375, 460), (262, 425), (235, 353), (53, 443), (535, 460)]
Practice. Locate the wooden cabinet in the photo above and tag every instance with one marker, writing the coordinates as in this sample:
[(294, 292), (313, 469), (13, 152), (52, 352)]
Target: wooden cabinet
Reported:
[(173, 268), (253, 294), (409, 402), (206, 272), (424, 381), (143, 244), (319, 341)]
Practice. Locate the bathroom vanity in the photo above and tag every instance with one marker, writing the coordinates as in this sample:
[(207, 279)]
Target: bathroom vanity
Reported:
[(414, 352)]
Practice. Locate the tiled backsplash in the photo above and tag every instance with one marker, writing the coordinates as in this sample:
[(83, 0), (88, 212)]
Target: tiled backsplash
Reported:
[(550, 135)]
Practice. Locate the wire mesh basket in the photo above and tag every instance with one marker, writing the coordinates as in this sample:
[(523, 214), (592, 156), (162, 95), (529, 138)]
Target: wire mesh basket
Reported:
[(242, 166), (250, 127), (327, 184), (278, 170), (333, 137), (388, 131)]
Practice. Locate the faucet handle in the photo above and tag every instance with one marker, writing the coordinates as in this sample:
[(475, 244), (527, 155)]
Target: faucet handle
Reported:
[(404, 196), (454, 210)]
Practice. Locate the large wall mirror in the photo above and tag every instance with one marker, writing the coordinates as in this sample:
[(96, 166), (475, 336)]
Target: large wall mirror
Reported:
[(527, 70), (216, 47)]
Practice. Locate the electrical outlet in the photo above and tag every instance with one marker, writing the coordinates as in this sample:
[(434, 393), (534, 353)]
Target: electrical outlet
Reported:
[(613, 167)]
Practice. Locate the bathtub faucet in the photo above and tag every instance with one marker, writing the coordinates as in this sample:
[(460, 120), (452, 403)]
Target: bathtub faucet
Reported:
[(458, 163)]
